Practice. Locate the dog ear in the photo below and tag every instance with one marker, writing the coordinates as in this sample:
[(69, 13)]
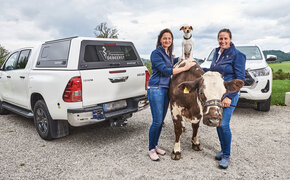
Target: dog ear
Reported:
[(191, 27), (181, 28)]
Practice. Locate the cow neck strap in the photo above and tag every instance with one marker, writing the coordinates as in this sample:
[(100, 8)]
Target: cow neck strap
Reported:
[(212, 102)]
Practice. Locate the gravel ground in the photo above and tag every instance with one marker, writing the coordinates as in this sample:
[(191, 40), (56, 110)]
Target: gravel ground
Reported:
[(260, 150)]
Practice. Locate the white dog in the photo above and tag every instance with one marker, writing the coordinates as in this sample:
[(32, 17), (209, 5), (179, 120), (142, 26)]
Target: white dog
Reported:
[(187, 43)]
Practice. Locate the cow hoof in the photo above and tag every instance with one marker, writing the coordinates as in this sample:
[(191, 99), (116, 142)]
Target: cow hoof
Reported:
[(196, 147), (175, 156)]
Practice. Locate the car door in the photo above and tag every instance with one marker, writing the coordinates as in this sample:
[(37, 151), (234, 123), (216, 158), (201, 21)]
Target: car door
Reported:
[(7, 86), (19, 78)]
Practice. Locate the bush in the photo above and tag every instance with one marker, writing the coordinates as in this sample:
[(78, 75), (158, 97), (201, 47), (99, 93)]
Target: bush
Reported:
[(148, 66), (3, 53), (1, 62), (280, 75)]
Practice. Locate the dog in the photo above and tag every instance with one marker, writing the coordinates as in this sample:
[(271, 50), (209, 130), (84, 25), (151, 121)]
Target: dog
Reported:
[(187, 43)]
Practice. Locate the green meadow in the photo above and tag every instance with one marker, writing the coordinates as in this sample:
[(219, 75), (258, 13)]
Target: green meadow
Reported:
[(285, 66), (278, 91), (280, 87)]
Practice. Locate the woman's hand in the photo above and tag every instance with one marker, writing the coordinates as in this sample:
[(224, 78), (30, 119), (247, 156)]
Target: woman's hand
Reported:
[(188, 65), (226, 102)]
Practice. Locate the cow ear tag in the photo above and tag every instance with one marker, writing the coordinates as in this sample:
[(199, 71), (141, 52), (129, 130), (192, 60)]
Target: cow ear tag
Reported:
[(185, 91)]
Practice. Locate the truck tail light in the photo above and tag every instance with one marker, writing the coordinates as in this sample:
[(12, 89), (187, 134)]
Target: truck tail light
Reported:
[(73, 90), (147, 79)]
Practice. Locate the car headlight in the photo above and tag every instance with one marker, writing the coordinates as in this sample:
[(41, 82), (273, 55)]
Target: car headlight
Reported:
[(261, 72)]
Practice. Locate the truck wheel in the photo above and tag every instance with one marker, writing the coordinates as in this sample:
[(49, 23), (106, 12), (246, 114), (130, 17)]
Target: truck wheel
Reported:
[(42, 120), (264, 106), (2, 110)]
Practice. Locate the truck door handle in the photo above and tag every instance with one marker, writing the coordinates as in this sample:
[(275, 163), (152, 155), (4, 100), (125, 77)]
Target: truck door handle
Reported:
[(8, 76), (22, 77), (118, 79)]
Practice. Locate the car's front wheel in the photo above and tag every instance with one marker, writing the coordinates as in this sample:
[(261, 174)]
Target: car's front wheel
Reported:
[(265, 105)]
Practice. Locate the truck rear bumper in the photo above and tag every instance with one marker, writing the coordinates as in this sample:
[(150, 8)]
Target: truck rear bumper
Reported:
[(92, 115)]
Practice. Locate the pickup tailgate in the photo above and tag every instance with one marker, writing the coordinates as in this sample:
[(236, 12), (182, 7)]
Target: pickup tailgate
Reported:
[(106, 85), (110, 71)]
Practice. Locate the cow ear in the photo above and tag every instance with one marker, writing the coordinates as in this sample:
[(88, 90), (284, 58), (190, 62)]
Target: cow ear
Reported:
[(181, 28), (189, 86), (233, 85)]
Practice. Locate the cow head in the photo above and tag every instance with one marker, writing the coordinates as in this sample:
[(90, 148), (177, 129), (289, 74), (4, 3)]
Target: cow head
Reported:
[(210, 89)]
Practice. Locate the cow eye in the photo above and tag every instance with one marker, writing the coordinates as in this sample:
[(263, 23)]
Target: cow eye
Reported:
[(201, 94)]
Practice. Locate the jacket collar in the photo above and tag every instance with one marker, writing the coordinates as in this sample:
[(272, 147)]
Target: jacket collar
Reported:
[(226, 51)]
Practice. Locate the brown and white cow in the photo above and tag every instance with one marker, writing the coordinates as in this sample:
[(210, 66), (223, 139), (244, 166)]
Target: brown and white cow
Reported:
[(195, 95)]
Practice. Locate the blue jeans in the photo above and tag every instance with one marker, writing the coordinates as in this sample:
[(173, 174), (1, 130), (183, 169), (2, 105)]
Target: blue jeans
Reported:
[(224, 131), (158, 100)]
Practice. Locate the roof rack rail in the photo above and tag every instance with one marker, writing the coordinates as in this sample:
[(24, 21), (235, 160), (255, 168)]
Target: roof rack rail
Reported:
[(63, 39)]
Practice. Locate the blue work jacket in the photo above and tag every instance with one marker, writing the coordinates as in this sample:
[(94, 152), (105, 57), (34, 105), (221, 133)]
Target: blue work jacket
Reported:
[(162, 68), (231, 64)]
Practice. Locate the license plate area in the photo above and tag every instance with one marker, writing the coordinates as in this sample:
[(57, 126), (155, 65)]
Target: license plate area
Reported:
[(98, 114), (112, 106)]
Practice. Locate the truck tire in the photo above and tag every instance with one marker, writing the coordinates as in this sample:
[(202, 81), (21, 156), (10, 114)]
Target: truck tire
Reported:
[(42, 120), (46, 127), (264, 106), (2, 110)]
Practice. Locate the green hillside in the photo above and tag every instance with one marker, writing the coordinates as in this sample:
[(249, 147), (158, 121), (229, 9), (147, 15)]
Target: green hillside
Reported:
[(281, 56)]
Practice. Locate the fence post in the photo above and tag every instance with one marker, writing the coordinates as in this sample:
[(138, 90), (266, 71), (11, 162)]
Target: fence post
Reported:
[(287, 98)]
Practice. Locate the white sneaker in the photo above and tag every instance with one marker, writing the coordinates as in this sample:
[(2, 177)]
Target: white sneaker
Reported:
[(153, 155)]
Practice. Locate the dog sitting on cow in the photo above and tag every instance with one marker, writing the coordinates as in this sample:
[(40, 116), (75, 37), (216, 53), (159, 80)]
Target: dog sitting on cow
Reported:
[(187, 43), (195, 95), (187, 46)]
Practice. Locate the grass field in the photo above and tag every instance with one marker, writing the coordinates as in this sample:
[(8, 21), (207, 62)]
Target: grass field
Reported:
[(285, 66), (278, 91)]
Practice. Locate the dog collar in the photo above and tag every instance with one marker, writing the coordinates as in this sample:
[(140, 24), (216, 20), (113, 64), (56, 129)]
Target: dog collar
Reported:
[(187, 38)]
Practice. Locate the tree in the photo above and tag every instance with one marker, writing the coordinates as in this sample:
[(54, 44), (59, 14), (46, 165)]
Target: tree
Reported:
[(103, 31), (3, 54)]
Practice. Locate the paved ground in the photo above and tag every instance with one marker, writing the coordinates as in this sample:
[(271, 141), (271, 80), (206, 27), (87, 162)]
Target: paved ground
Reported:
[(260, 150)]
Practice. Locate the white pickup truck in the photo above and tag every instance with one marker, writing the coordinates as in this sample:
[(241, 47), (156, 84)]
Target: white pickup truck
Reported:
[(258, 76), (74, 81)]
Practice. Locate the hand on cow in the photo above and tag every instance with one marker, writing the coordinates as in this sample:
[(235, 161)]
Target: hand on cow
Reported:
[(188, 65), (226, 102)]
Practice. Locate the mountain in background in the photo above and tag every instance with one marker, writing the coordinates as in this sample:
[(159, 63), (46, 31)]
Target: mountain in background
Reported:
[(281, 56)]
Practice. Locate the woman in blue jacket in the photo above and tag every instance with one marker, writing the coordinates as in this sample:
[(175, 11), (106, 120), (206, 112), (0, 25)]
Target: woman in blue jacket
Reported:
[(162, 63), (229, 62)]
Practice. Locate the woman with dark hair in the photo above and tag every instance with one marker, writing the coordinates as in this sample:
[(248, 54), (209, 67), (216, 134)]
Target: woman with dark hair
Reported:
[(229, 62), (162, 63)]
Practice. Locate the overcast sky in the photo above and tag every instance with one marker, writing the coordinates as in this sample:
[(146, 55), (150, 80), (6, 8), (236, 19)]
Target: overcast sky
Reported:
[(263, 22)]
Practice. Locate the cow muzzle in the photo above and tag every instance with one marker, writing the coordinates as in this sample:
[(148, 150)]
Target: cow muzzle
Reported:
[(212, 113)]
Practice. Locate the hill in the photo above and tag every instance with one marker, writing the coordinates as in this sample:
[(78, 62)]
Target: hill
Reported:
[(281, 56)]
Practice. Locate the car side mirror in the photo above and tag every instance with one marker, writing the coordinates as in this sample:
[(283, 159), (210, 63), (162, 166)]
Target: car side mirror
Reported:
[(271, 57)]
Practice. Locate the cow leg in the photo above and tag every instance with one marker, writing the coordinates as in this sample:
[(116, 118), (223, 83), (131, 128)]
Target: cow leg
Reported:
[(195, 142), (176, 153), (183, 126)]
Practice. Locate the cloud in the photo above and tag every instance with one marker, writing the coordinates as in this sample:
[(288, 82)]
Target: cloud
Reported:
[(251, 21)]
